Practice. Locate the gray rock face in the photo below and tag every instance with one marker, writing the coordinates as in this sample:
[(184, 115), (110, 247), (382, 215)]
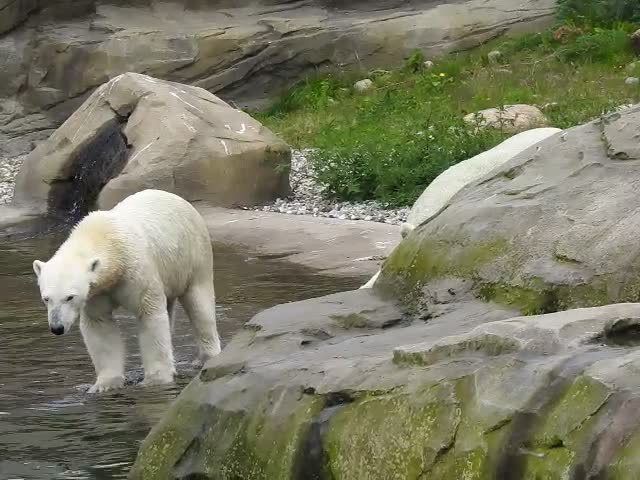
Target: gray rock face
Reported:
[(340, 389), (55, 53), (449, 380), (553, 228), (136, 132)]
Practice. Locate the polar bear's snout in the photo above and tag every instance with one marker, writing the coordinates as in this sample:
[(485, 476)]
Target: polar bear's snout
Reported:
[(57, 330), (55, 322), (61, 317)]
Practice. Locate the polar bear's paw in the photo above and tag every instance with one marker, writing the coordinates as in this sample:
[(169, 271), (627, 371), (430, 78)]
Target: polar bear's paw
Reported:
[(105, 384)]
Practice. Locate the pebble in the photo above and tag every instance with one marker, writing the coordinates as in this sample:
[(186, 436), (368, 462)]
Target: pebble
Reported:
[(632, 81), (308, 198), (494, 57), (363, 85), (9, 168)]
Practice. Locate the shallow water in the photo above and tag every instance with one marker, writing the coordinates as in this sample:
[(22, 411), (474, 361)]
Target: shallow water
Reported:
[(50, 428)]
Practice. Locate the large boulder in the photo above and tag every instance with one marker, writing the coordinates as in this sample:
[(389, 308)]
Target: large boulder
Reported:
[(452, 180), (448, 183), (435, 372), (136, 132), (349, 387), (553, 228), (55, 52)]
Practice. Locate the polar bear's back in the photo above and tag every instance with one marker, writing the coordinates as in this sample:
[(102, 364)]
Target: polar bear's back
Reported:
[(169, 232)]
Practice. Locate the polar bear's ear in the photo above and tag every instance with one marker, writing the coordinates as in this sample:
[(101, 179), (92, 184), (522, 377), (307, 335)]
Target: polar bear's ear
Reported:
[(95, 263), (37, 267)]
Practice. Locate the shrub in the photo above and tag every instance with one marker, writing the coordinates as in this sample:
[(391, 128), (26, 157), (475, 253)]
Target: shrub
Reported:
[(599, 46), (394, 163), (599, 12)]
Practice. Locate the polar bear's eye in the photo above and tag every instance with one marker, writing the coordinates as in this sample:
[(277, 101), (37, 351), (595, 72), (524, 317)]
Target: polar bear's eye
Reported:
[(69, 298), (45, 299)]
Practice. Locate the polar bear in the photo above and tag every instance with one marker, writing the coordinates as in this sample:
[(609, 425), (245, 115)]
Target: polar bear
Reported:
[(150, 250)]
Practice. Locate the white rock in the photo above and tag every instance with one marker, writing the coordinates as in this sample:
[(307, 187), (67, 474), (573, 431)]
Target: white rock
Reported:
[(456, 177), (363, 85), (428, 64), (371, 281), (494, 57), (632, 81), (512, 118)]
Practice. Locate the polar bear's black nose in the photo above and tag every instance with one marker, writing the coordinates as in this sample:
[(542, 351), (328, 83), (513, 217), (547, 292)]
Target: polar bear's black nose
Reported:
[(58, 330)]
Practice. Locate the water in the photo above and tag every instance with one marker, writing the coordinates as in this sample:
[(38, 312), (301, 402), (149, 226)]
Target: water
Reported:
[(49, 427)]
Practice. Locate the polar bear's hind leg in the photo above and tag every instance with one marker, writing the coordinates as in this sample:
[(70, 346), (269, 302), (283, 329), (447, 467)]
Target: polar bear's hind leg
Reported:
[(155, 344), (200, 305)]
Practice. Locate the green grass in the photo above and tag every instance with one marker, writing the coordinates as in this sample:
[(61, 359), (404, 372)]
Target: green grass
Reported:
[(392, 141)]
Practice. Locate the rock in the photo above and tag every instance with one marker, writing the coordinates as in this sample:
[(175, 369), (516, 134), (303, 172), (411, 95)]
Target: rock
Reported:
[(635, 41), (632, 81), (13, 13), (550, 105), (512, 118), (448, 183), (55, 53), (348, 386), (549, 230), (428, 64), (363, 85), (494, 57), (137, 132), (371, 281), (631, 68)]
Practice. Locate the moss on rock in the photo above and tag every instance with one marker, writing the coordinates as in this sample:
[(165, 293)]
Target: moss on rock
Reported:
[(392, 436), (261, 444), (168, 440)]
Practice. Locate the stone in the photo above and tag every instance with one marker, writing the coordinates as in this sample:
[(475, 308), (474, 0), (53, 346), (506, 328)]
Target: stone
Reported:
[(635, 41), (428, 65), (527, 236), (13, 13), (363, 85), (448, 183), (55, 53), (510, 118), (632, 81), (632, 67), (340, 388), (494, 57), (137, 132)]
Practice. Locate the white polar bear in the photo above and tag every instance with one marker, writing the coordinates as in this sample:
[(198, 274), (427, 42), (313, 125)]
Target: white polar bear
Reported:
[(148, 251)]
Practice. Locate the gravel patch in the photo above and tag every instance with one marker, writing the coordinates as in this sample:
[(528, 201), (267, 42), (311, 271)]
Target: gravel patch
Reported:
[(308, 198), (9, 168)]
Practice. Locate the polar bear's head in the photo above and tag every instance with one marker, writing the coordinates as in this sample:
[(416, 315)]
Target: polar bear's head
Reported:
[(64, 287)]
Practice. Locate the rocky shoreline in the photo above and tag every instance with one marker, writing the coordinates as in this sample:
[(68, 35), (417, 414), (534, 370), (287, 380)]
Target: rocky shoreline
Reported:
[(309, 198)]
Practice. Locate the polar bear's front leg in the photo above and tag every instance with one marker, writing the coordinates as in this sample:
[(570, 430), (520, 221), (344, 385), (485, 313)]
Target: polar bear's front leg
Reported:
[(155, 345), (104, 344)]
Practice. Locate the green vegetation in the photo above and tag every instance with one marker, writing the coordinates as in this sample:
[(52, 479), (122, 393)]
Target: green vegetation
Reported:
[(599, 12), (390, 142)]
